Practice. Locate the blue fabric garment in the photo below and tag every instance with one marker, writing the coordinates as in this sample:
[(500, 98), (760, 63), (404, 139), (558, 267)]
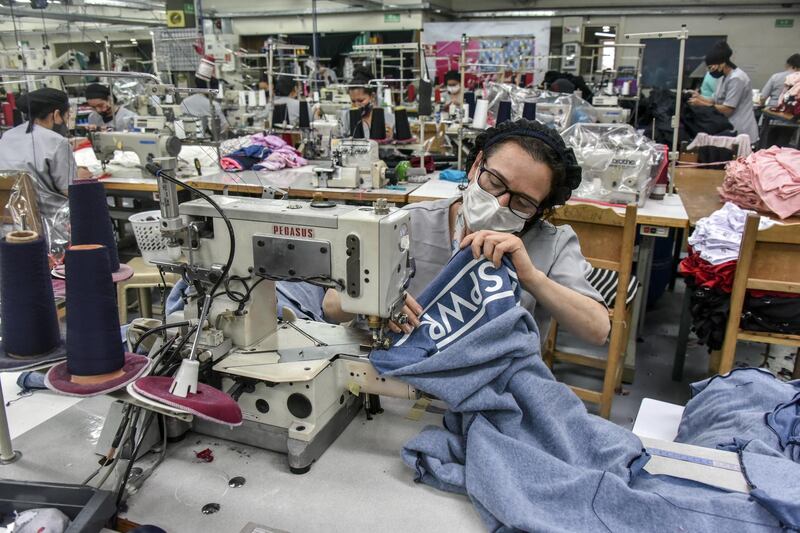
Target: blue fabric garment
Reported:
[(304, 299), (451, 174), (521, 445), (30, 380), (254, 150), (773, 480), (746, 404)]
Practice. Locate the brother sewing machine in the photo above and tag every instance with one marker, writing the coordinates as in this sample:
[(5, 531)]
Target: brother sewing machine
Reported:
[(147, 146), (298, 382), (355, 164)]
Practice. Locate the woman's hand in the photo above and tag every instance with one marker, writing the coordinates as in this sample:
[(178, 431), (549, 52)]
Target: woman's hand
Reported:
[(413, 311), (493, 245), (84, 173)]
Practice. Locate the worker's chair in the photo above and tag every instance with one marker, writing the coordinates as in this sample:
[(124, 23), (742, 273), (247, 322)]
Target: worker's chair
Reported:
[(769, 260), (607, 241), (145, 278)]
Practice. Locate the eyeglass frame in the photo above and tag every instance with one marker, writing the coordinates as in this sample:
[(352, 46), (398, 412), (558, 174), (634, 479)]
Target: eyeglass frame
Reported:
[(482, 169)]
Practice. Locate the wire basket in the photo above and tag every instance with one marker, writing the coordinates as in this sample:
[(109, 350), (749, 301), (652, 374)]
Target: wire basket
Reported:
[(146, 229)]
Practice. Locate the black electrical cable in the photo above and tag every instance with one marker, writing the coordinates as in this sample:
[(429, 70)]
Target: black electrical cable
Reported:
[(156, 330), (124, 481), (156, 171)]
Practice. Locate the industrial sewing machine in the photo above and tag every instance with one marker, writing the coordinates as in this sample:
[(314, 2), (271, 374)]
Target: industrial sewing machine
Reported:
[(147, 146), (298, 382), (355, 164), (619, 165)]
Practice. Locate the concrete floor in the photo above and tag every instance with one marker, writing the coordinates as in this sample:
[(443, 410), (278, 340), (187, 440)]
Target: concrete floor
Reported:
[(359, 484)]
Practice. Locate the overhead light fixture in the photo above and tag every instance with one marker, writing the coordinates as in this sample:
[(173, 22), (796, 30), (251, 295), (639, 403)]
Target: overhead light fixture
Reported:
[(607, 28), (605, 34), (98, 41)]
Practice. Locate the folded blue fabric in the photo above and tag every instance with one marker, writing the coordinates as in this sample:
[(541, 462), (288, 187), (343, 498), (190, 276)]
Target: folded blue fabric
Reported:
[(451, 174), (521, 445), (746, 404), (254, 150)]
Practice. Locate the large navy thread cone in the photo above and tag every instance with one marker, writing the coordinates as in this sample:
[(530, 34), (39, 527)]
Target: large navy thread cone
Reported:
[(30, 330), (354, 123), (96, 362), (89, 218), (402, 129), (503, 112), (377, 128)]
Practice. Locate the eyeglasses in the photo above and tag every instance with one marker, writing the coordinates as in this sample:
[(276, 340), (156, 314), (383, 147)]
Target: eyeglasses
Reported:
[(520, 205)]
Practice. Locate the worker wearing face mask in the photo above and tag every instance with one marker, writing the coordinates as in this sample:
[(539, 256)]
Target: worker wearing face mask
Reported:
[(362, 96), (518, 173), (40, 147), (734, 93), (452, 83), (106, 115)]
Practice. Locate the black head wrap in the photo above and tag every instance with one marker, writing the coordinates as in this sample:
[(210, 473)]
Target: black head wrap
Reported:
[(95, 90)]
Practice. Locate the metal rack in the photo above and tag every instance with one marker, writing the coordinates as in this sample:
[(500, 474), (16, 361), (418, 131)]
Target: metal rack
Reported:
[(682, 35)]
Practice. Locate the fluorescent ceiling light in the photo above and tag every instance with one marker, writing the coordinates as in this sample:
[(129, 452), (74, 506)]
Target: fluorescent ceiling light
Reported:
[(605, 34)]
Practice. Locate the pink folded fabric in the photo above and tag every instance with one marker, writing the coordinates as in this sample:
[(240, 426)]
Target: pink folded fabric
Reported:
[(767, 181), (271, 141)]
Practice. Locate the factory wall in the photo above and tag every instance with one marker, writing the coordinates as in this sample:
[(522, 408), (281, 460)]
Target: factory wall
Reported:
[(758, 46), (355, 22)]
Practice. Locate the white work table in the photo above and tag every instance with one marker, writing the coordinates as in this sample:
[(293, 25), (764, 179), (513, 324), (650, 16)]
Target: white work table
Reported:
[(359, 483)]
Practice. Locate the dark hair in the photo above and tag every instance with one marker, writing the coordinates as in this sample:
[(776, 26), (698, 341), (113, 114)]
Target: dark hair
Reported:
[(794, 61), (720, 52), (41, 102), (97, 91), (562, 85), (213, 83), (284, 86), (544, 145), (362, 76), (452, 75)]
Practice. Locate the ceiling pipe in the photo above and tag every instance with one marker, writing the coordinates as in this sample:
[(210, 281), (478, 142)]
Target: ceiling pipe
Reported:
[(79, 17)]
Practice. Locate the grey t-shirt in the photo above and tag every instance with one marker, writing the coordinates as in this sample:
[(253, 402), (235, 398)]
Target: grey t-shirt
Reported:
[(197, 105), (554, 250), (123, 120), (45, 155), (774, 87), (735, 90)]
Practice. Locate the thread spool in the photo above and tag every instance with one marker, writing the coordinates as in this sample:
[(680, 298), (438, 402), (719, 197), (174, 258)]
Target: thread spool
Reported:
[(279, 114), (262, 98), (529, 110), (354, 123), (481, 114), (305, 116), (89, 218), (469, 98), (387, 98), (425, 104), (402, 129), (93, 343), (29, 321), (205, 68), (377, 128), (503, 112)]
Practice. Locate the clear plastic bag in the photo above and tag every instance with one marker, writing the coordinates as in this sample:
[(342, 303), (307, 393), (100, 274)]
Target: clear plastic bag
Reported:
[(619, 165), (22, 213), (557, 110)]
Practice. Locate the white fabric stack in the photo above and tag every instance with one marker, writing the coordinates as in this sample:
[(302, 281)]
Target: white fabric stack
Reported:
[(718, 237)]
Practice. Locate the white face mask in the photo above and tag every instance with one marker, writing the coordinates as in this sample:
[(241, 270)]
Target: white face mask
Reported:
[(453, 89), (482, 211)]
